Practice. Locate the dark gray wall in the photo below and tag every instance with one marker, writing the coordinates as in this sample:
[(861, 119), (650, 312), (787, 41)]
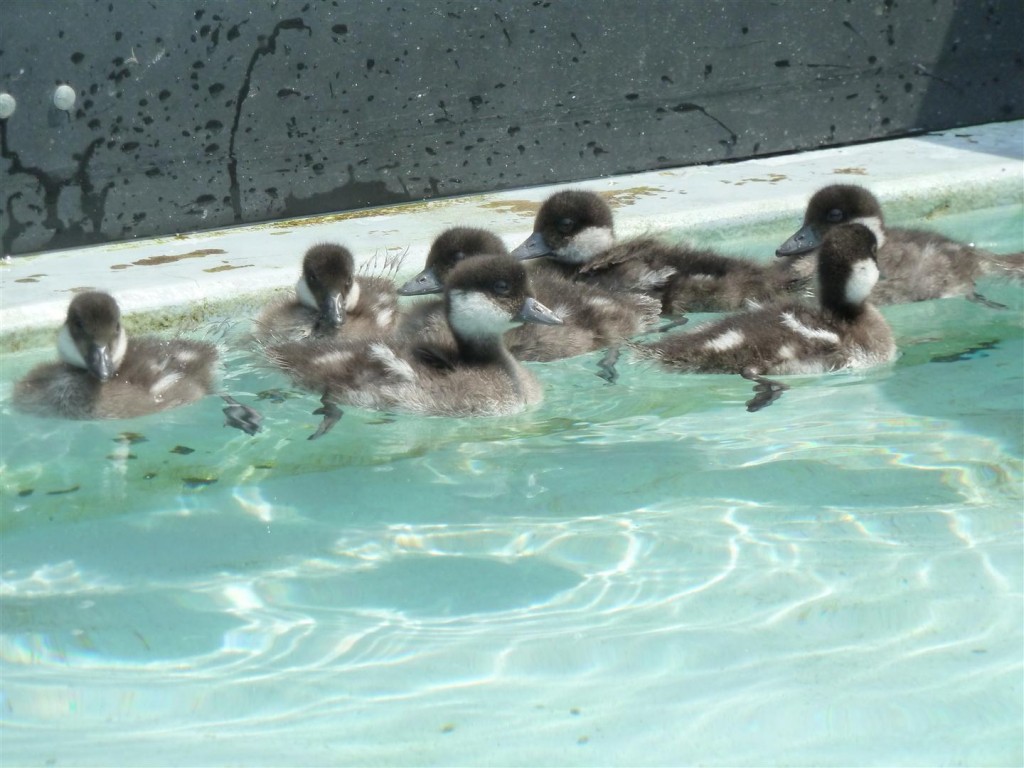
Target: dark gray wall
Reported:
[(193, 115)]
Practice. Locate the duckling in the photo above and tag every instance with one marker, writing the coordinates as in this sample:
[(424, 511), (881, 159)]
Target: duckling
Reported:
[(574, 228), (791, 337), (484, 297), (102, 374), (330, 300), (592, 317), (916, 265)]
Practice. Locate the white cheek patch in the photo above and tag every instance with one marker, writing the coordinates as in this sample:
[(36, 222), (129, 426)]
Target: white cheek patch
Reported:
[(68, 350), (728, 340), (862, 279), (305, 295), (586, 245), (875, 225), (473, 314), (816, 334), (353, 297)]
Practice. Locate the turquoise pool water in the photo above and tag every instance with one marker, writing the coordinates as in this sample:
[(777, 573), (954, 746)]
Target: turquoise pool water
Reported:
[(637, 574)]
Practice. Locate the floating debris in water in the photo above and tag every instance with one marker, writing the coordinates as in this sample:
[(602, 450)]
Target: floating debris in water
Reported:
[(447, 727), (267, 465), (274, 395), (198, 482), (26, 492), (967, 354), (241, 416), (72, 489), (184, 450), (131, 438), (149, 476), (121, 456)]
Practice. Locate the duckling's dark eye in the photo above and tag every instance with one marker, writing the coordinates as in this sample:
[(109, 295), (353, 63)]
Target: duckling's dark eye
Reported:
[(565, 226), (311, 278), (502, 288), (458, 256), (834, 216)]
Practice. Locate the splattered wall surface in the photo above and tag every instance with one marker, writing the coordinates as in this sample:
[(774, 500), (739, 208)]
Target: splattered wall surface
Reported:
[(180, 116)]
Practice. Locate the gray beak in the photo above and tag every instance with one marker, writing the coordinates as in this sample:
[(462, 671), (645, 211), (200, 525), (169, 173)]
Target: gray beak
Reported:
[(532, 247), (535, 312), (805, 239), (425, 282), (99, 363), (332, 311)]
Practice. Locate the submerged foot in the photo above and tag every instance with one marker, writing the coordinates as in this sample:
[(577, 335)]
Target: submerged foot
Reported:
[(977, 298), (766, 391), (332, 415), (606, 365), (674, 322), (241, 416)]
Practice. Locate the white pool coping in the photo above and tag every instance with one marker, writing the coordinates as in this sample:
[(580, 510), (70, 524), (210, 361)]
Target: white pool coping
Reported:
[(194, 274)]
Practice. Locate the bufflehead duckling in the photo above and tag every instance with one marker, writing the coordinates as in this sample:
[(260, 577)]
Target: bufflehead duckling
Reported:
[(791, 337), (916, 265), (592, 317), (574, 228), (330, 300), (102, 374), (484, 297)]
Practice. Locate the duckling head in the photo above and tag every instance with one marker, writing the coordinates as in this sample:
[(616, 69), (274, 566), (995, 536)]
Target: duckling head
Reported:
[(828, 207), (488, 295), (328, 285), (92, 336), (847, 267), (450, 248), (572, 226)]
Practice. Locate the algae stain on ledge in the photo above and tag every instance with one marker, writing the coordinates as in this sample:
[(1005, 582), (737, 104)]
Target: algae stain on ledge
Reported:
[(771, 178), (621, 197), (153, 261), (226, 267), (524, 208)]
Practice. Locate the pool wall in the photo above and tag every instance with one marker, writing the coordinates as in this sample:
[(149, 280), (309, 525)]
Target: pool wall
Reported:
[(172, 282), (181, 116)]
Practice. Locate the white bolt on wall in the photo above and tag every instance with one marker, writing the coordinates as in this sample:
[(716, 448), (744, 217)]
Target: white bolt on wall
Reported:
[(64, 97), (7, 105)]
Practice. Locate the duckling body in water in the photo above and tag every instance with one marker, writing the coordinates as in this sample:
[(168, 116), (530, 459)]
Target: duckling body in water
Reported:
[(915, 265), (330, 300), (574, 230), (484, 298), (592, 317), (790, 337), (103, 374)]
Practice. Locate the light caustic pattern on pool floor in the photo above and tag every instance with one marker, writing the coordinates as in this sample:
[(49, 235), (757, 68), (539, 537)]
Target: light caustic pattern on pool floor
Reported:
[(635, 574)]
